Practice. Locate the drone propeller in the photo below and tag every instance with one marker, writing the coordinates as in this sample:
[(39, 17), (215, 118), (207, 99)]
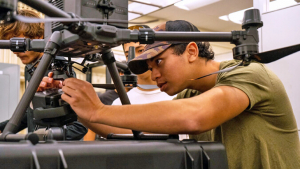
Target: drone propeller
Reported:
[(273, 55), (39, 20)]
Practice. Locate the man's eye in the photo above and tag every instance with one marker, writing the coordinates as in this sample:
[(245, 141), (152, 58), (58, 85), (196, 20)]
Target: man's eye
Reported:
[(158, 61)]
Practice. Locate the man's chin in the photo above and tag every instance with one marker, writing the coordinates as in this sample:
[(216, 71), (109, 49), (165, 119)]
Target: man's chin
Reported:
[(25, 62), (170, 93)]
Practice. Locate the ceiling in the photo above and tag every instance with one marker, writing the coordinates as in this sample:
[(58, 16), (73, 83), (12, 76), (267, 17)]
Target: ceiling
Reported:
[(206, 18)]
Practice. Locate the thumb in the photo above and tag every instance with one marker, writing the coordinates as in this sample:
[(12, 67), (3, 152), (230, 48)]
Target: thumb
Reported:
[(50, 74)]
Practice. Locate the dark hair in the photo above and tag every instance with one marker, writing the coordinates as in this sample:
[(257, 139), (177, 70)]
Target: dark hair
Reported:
[(204, 48), (30, 30)]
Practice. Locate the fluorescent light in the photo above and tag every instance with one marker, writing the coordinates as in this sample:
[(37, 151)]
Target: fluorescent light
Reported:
[(162, 3), (141, 8), (278, 4), (237, 17), (145, 1), (193, 4), (224, 17), (132, 16)]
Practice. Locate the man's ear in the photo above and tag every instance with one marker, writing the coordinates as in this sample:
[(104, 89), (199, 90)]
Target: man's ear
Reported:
[(192, 51)]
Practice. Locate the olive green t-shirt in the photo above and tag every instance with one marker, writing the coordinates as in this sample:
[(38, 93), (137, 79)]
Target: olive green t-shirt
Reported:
[(265, 134)]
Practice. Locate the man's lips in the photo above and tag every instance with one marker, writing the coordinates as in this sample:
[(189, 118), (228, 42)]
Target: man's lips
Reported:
[(160, 85)]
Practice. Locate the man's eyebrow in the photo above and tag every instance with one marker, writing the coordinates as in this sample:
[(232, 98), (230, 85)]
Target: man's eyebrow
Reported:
[(139, 46)]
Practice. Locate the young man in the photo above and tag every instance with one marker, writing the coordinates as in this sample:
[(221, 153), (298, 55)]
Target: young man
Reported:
[(146, 92), (248, 106), (76, 130)]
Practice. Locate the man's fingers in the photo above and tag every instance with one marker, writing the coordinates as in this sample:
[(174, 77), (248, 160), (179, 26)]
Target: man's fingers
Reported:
[(60, 85), (73, 83), (50, 74), (66, 98), (68, 91), (47, 79), (43, 84), (57, 83)]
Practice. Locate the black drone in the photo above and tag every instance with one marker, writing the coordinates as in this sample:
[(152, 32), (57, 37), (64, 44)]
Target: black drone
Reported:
[(86, 37)]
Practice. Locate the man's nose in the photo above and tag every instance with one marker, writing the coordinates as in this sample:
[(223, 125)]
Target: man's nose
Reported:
[(155, 74)]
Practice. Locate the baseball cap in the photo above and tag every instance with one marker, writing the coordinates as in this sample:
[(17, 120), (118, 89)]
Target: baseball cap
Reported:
[(138, 65)]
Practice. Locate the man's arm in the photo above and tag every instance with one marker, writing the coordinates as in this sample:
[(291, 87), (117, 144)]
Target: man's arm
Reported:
[(104, 130), (190, 116)]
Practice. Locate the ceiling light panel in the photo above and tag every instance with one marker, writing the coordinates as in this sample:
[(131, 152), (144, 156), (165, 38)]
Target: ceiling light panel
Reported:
[(162, 3), (194, 4), (141, 8), (224, 17), (237, 17), (132, 16)]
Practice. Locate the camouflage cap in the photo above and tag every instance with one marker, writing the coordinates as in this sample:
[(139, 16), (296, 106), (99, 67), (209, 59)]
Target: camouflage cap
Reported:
[(138, 65)]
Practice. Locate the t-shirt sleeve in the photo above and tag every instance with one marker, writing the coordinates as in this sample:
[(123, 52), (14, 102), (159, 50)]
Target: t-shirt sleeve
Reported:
[(253, 80), (187, 93)]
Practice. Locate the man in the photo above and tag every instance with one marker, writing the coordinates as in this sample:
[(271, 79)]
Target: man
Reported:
[(146, 91), (248, 106), (76, 130)]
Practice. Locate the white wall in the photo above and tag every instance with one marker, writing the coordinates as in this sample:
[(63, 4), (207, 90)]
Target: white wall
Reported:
[(282, 28)]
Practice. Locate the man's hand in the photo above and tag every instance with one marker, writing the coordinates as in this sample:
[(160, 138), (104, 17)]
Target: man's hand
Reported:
[(82, 98), (49, 83)]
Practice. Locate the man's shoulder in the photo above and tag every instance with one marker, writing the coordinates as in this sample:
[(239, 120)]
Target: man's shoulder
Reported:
[(253, 70)]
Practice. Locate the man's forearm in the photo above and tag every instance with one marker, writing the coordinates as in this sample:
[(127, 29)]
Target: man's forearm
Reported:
[(104, 130), (160, 117)]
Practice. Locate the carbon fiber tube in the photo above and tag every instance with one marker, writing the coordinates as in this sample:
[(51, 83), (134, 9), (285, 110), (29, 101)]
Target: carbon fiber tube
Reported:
[(4, 44), (193, 36), (32, 137), (109, 60), (122, 66)]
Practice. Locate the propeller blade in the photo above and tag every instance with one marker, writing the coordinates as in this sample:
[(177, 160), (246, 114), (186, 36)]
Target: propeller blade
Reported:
[(273, 55)]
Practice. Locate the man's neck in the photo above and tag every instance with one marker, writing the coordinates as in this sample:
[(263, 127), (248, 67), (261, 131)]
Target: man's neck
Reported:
[(208, 82), (145, 82), (147, 90)]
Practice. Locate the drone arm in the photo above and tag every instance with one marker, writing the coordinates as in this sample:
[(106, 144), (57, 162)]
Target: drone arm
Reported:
[(4, 44), (193, 36)]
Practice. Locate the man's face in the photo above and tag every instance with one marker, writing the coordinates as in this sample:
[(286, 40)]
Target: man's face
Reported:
[(168, 70), (28, 56), (139, 48)]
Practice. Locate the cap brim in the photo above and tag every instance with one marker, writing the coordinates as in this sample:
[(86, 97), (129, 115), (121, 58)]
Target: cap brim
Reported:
[(139, 65)]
